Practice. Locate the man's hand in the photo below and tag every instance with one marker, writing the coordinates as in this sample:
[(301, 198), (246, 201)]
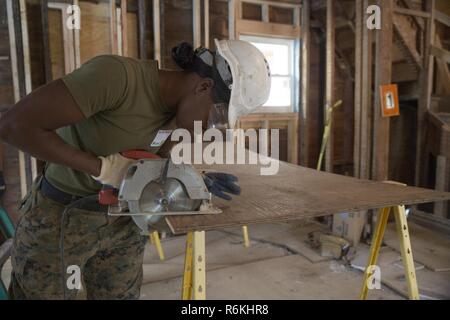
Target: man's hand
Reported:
[(113, 170), (218, 183)]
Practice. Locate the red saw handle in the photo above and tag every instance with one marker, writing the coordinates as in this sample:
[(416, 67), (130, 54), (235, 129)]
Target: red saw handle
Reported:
[(108, 195), (139, 154)]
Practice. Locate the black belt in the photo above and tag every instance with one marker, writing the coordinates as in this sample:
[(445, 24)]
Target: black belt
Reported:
[(65, 199)]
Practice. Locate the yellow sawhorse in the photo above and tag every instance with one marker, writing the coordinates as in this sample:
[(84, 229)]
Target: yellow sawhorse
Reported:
[(246, 237), (194, 277), (154, 239), (405, 249)]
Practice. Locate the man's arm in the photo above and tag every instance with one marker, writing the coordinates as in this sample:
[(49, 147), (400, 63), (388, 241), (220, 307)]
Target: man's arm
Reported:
[(30, 126)]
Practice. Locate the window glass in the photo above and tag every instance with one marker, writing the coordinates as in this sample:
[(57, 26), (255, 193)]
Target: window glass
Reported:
[(280, 92), (277, 56), (279, 53)]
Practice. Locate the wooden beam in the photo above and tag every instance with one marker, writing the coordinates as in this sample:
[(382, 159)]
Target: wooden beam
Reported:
[(46, 41), (366, 100), (17, 29), (419, 22), (258, 28), (411, 12), (13, 50), (197, 23), (232, 19), (292, 137), (358, 86), (348, 20), (46, 52), (407, 42), (383, 72), (265, 12), (68, 37), (157, 30), (442, 70), (258, 117), (124, 27), (441, 184), (440, 54), (353, 224), (13, 45), (77, 44), (206, 15), (442, 17), (329, 86), (277, 3), (119, 31), (26, 46), (142, 21), (305, 82), (426, 86), (297, 15), (27, 66), (113, 26)]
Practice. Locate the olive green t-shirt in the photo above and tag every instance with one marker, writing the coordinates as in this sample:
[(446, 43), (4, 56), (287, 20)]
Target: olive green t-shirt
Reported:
[(123, 110)]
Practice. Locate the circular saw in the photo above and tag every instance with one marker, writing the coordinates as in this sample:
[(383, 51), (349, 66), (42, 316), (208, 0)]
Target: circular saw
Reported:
[(156, 188)]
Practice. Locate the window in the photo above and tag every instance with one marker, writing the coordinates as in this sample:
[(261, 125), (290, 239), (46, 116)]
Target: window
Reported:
[(280, 56)]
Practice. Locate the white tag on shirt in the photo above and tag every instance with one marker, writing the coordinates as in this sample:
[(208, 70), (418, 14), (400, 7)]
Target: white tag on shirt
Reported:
[(160, 138)]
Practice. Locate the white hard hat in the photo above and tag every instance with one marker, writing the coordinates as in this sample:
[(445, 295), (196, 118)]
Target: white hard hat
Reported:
[(251, 77)]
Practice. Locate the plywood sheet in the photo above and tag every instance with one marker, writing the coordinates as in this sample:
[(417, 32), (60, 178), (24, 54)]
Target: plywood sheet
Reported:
[(297, 193)]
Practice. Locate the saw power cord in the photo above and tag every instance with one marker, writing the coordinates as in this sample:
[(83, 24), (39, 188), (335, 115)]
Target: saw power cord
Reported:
[(66, 212)]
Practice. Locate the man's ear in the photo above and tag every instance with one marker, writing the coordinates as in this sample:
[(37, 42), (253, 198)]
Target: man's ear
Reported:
[(204, 86)]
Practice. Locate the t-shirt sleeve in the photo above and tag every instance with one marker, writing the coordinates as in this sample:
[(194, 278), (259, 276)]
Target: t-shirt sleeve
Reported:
[(98, 85)]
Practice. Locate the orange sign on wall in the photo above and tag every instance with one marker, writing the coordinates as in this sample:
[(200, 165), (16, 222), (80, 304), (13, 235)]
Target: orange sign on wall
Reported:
[(389, 100)]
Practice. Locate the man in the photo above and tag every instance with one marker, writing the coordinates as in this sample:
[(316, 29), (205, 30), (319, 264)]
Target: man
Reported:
[(79, 125)]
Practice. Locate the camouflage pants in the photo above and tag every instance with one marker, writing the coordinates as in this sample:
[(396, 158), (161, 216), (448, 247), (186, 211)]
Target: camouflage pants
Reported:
[(108, 252)]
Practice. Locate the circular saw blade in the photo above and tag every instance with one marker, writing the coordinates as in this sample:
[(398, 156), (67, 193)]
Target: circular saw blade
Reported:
[(169, 196), (163, 197)]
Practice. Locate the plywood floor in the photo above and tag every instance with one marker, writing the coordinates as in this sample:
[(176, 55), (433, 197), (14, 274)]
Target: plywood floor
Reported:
[(278, 265)]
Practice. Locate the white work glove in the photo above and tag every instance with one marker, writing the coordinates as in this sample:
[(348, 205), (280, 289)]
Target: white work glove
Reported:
[(114, 168)]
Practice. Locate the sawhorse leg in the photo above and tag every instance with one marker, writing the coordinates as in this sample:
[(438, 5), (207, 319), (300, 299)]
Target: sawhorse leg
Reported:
[(405, 249), (245, 235), (194, 277), (154, 239)]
